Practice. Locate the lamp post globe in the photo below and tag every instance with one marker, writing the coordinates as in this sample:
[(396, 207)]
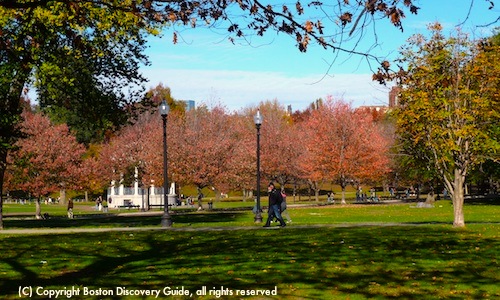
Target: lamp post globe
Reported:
[(166, 219), (258, 122)]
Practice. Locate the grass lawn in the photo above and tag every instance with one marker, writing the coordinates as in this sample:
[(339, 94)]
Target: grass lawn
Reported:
[(330, 252)]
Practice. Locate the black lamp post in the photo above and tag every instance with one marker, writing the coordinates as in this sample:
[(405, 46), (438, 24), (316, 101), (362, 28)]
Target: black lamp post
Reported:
[(258, 122), (143, 207), (166, 220)]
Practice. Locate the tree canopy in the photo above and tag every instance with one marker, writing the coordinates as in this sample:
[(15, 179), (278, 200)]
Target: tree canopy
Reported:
[(449, 106), (81, 55), (345, 146), (49, 160)]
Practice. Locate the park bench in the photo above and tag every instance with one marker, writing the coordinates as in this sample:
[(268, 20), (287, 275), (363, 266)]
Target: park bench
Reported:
[(129, 206)]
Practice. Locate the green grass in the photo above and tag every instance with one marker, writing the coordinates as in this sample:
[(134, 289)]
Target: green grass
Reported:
[(409, 254), (86, 217), (53, 209)]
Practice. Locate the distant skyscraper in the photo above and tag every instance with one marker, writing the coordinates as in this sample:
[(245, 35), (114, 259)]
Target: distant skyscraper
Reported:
[(190, 104)]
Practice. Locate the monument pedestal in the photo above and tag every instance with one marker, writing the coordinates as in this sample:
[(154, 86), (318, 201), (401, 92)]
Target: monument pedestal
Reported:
[(172, 199)]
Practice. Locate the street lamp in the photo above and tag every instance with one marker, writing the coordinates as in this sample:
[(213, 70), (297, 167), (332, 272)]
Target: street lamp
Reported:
[(166, 220), (258, 122)]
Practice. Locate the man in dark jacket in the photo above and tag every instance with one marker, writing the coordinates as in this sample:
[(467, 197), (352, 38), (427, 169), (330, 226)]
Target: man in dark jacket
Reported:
[(274, 206)]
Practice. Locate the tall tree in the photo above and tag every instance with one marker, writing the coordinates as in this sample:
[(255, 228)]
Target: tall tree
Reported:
[(450, 106), (278, 155), (55, 40), (92, 179), (207, 148), (242, 166), (139, 145), (90, 98), (344, 146), (47, 160)]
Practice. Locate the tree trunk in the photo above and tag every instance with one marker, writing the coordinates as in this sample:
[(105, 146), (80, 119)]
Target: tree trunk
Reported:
[(343, 194), (1, 211), (10, 110), (247, 194), (458, 199), (38, 213), (315, 186), (294, 192), (62, 197), (3, 166)]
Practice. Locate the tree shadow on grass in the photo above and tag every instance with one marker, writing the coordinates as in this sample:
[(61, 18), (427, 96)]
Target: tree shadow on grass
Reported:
[(305, 263), (115, 220), (482, 200)]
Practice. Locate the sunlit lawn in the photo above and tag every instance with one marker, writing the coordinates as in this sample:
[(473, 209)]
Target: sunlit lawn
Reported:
[(367, 254), (85, 216)]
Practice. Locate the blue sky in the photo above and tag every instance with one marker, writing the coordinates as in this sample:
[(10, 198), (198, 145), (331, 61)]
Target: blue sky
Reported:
[(204, 66)]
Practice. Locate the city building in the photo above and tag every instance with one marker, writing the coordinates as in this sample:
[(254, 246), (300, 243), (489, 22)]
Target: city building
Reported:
[(190, 104), (393, 97)]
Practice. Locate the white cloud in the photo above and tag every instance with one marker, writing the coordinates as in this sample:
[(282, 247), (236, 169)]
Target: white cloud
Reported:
[(239, 89)]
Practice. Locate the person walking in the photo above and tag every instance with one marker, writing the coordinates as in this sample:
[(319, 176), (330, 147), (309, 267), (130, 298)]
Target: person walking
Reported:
[(275, 200), (284, 210)]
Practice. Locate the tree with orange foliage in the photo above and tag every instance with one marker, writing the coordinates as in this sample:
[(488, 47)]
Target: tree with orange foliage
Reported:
[(139, 145), (242, 166), (136, 146), (47, 160), (279, 147), (449, 113), (91, 179), (207, 144), (343, 146)]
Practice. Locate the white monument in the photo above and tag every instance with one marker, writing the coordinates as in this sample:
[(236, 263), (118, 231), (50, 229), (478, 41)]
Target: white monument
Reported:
[(128, 197)]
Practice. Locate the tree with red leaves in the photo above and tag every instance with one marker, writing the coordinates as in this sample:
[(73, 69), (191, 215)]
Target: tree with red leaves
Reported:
[(280, 148), (207, 146), (47, 161), (343, 146)]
